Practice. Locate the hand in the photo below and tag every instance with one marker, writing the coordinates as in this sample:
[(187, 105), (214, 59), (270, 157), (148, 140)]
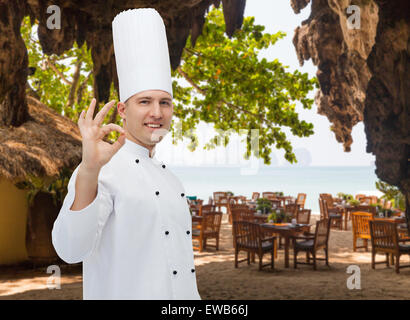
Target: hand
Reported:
[(97, 152)]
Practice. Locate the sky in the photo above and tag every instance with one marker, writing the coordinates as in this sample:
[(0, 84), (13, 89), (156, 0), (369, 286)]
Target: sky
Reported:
[(320, 149)]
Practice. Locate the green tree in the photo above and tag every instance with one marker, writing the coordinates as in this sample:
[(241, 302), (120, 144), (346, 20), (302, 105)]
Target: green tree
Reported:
[(228, 86), (232, 88), (393, 194)]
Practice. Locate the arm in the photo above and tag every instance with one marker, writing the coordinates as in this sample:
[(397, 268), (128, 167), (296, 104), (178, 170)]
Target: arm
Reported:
[(88, 203), (77, 232)]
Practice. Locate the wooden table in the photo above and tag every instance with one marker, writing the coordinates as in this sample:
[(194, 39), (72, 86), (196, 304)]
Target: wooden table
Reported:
[(285, 230)]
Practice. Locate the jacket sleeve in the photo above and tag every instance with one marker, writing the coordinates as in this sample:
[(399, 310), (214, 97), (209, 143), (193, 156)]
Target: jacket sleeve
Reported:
[(76, 233)]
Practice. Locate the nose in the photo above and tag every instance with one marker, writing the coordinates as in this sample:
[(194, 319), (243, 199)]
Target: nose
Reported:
[(155, 111)]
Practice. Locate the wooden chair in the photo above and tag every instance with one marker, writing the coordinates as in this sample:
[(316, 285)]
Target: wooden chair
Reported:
[(208, 229), (269, 195), (255, 196), (336, 219), (232, 206), (303, 216), (220, 199), (361, 229), (248, 237), (291, 210), (385, 239), (369, 209), (242, 214), (311, 243), (206, 209), (301, 199), (195, 206), (359, 196)]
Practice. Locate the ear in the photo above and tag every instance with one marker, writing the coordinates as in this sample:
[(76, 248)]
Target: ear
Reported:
[(121, 109)]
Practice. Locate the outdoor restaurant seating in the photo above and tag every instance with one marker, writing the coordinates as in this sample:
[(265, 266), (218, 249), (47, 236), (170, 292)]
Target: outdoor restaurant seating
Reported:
[(291, 210), (385, 239), (206, 208), (361, 229), (232, 206), (249, 237), (311, 243), (301, 199), (336, 219), (208, 229), (366, 208), (220, 199), (303, 216), (269, 195)]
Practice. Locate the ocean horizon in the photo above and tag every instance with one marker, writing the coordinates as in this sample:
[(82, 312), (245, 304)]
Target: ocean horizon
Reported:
[(312, 180)]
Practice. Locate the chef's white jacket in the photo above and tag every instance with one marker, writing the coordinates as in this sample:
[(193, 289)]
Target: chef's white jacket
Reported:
[(135, 238)]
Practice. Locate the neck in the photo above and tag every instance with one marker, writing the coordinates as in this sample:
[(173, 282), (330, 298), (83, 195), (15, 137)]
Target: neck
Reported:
[(137, 141)]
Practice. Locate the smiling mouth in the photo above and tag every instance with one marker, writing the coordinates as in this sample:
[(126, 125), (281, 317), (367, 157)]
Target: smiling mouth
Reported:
[(153, 125)]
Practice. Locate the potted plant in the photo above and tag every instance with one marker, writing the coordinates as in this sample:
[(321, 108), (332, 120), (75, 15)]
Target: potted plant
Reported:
[(354, 202), (271, 217), (263, 205)]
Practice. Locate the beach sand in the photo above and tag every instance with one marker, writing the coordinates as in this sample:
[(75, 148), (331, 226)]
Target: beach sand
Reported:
[(218, 279)]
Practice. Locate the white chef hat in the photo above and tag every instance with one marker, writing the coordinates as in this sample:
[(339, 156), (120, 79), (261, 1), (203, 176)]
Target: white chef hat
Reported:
[(141, 52)]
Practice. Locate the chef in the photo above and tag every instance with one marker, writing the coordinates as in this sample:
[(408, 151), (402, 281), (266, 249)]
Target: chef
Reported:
[(125, 215)]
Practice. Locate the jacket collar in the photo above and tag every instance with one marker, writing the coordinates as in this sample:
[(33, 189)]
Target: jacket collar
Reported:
[(137, 149)]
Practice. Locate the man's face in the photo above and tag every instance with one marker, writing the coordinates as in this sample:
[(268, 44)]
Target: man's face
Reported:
[(147, 116)]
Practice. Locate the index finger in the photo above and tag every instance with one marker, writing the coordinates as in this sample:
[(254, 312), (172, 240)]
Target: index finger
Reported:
[(90, 111), (99, 118)]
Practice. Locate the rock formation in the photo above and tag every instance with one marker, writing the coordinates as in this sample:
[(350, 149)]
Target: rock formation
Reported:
[(364, 76), (90, 21)]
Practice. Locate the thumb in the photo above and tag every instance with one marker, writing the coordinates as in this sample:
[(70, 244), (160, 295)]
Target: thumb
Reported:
[(119, 143)]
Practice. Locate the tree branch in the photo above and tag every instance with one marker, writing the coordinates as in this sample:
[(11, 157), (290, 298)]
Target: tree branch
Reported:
[(203, 92), (60, 74)]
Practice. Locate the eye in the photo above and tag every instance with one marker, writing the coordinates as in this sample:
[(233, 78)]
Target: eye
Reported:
[(144, 101), (166, 103)]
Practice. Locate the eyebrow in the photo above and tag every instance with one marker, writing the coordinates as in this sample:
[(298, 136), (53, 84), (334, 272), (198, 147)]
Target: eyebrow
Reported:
[(149, 98)]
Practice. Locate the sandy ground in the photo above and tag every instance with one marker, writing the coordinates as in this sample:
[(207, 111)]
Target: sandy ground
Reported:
[(218, 279)]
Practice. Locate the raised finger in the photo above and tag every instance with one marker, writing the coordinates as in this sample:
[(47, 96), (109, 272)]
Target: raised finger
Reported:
[(99, 118), (90, 111), (81, 117), (110, 127)]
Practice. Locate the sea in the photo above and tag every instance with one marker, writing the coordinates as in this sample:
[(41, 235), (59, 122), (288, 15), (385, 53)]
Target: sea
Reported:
[(312, 180)]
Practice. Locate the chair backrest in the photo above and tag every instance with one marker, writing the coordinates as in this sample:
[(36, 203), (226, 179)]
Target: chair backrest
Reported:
[(322, 233), (206, 209), (322, 211), (384, 235), (255, 196), (218, 195), (366, 200), (292, 209), (269, 195), (242, 214), (246, 234), (276, 203), (328, 198), (212, 222), (324, 208), (303, 216), (360, 223), (374, 199), (300, 200), (370, 209), (359, 196)]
